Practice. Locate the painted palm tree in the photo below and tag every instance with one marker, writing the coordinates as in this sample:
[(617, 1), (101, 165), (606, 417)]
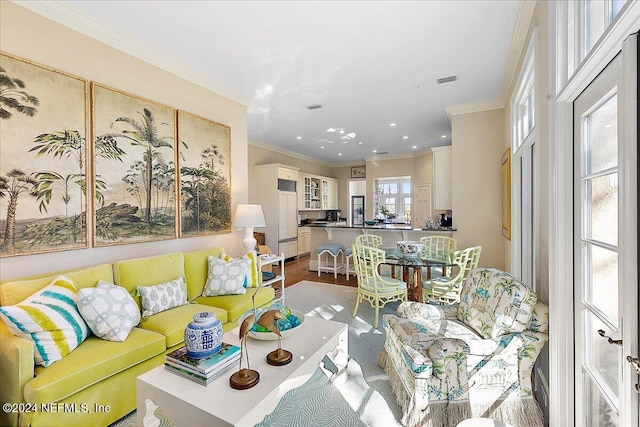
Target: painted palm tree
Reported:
[(144, 134), (14, 184), (13, 97), (193, 187)]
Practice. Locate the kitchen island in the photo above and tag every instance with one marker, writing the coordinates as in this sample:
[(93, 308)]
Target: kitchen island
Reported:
[(346, 235)]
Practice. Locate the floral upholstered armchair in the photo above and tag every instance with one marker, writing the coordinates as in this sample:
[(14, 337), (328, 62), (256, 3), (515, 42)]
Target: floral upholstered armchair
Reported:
[(471, 359)]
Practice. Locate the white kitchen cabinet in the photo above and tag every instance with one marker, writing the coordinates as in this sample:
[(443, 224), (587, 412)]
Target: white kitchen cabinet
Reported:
[(304, 240), (317, 192), (280, 207), (442, 178), (332, 193)]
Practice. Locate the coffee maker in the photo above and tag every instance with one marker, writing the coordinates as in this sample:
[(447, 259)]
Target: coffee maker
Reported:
[(333, 215)]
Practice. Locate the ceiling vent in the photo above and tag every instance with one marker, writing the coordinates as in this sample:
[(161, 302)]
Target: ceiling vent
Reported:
[(382, 152), (314, 106), (447, 79)]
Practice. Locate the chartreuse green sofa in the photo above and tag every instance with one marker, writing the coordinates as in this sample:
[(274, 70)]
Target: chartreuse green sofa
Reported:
[(95, 384)]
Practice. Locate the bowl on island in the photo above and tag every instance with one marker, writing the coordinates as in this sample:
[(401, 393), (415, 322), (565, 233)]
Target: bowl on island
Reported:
[(410, 249), (371, 222)]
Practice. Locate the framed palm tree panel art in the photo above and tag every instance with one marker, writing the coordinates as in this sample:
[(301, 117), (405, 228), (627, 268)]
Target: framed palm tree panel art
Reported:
[(134, 158), (43, 159), (205, 176)]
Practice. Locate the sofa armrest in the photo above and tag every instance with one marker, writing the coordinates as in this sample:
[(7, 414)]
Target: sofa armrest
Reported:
[(17, 367), (419, 311)]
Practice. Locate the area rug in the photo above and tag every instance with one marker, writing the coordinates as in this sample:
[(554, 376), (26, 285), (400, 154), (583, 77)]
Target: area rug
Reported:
[(363, 385)]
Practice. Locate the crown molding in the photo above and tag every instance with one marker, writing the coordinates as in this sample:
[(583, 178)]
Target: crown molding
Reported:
[(456, 110), (64, 14), (518, 41), (279, 150)]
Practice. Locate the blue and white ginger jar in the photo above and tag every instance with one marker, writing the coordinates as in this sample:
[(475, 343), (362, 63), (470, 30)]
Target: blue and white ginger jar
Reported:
[(203, 336)]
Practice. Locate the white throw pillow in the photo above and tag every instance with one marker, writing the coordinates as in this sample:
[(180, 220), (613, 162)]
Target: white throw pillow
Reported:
[(158, 298), (254, 275), (226, 277), (50, 319), (109, 310)]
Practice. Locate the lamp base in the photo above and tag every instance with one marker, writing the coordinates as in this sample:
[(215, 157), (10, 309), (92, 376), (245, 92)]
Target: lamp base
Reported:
[(249, 241), (279, 357), (244, 379)]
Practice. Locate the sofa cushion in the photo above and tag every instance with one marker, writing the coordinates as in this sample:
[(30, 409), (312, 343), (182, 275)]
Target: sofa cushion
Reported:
[(90, 363), (495, 303), (148, 271), (163, 296), (237, 305), (171, 323), (50, 319), (254, 276), (196, 269), (15, 291), (226, 277), (109, 310)]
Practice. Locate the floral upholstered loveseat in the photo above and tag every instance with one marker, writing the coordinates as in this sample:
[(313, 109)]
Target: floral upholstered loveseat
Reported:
[(472, 359)]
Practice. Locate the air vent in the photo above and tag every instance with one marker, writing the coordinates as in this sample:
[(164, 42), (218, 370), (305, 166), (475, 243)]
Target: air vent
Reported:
[(382, 152), (314, 106), (447, 79)]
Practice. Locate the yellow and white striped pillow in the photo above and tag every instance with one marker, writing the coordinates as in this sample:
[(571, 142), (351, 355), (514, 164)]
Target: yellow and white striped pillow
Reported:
[(50, 319), (254, 276)]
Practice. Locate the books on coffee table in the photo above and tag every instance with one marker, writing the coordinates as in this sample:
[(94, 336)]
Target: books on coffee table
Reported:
[(204, 370)]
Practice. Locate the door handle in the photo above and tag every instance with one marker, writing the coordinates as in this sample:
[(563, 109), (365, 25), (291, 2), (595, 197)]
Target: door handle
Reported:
[(609, 339), (635, 362)]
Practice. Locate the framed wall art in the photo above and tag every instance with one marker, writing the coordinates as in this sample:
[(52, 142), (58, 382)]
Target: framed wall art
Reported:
[(205, 176), (359, 172), (506, 194), (43, 159), (134, 157)]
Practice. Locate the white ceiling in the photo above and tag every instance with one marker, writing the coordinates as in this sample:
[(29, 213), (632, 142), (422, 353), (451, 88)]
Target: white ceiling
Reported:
[(368, 63)]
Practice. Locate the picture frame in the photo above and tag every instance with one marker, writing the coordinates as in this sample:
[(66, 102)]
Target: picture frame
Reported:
[(43, 159), (134, 157), (204, 159), (359, 172), (506, 193)]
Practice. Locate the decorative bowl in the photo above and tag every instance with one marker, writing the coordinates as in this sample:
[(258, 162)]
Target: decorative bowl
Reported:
[(371, 222), (270, 336), (410, 249)]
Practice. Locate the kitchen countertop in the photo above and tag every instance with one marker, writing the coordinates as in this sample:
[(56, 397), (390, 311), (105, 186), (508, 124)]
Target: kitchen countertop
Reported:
[(341, 224)]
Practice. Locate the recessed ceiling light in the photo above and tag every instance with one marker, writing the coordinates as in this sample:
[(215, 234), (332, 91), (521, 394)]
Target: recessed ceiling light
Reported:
[(341, 130), (444, 136), (392, 124), (375, 151), (322, 146), (405, 137), (298, 137), (415, 146), (360, 143), (339, 154)]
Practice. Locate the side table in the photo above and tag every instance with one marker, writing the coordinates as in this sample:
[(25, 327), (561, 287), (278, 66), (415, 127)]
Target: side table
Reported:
[(266, 259)]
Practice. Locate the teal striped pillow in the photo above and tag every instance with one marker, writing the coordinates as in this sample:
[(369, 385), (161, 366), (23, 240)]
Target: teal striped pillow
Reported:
[(50, 319)]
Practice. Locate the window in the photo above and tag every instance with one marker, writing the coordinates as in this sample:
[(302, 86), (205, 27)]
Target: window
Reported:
[(597, 16), (392, 198)]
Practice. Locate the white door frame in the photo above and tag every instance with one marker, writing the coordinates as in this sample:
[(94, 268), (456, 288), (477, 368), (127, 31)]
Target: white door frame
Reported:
[(561, 382)]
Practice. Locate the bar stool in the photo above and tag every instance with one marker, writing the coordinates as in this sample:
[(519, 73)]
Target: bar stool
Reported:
[(348, 255), (334, 250)]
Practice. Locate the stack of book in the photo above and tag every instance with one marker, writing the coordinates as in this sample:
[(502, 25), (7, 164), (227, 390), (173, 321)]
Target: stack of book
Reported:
[(203, 371)]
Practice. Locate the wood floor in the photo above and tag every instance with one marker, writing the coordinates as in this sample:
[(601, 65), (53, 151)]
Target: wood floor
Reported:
[(297, 270)]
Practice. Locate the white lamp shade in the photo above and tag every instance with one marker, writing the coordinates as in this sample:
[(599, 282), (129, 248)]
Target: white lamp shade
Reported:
[(249, 216)]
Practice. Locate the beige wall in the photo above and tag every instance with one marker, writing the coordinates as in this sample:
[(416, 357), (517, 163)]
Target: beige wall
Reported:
[(476, 154), (29, 35), (423, 169)]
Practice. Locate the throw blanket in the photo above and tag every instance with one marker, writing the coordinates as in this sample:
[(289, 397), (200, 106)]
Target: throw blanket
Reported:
[(336, 394)]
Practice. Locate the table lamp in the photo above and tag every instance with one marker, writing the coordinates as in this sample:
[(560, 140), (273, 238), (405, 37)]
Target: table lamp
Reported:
[(247, 217)]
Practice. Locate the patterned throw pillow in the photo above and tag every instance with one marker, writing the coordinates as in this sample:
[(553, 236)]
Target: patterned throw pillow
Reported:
[(226, 277), (50, 319), (494, 303), (109, 311), (254, 276), (158, 298)]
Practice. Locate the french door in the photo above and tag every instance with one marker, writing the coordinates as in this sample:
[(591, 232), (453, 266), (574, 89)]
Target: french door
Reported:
[(605, 259)]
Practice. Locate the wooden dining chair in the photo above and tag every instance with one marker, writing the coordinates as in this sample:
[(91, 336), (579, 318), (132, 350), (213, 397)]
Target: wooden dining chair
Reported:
[(373, 287)]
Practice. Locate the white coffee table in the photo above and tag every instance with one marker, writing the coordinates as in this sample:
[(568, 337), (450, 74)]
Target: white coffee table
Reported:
[(186, 403)]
